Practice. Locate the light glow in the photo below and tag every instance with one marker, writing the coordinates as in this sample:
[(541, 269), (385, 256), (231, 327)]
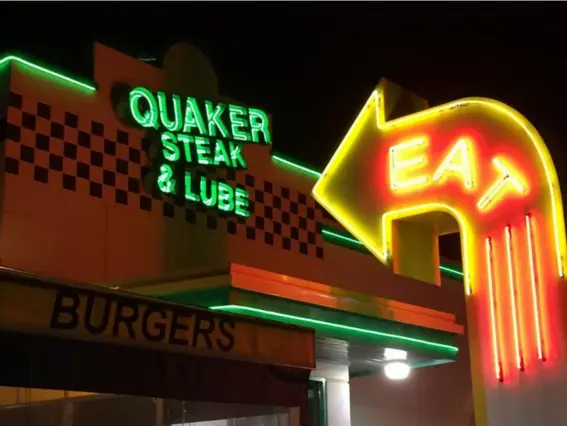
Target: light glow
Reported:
[(399, 163), (507, 179), (309, 322), (493, 309), (534, 288), (397, 370), (277, 158), (48, 72), (364, 201), (374, 107), (457, 162), (513, 299)]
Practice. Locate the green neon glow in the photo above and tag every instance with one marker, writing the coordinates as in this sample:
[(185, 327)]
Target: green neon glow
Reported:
[(296, 167), (349, 240), (174, 113), (211, 193), (454, 271), (57, 76), (148, 118), (311, 322)]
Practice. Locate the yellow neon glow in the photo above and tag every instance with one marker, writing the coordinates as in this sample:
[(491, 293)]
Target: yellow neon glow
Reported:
[(534, 288), (457, 162), (513, 298), (508, 179), (428, 208), (375, 105), (402, 165), (492, 307)]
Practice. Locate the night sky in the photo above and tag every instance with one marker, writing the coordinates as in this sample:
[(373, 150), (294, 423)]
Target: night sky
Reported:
[(313, 65)]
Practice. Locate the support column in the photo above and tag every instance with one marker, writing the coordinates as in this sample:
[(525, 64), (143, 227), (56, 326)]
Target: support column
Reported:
[(159, 411), (337, 391), (68, 410)]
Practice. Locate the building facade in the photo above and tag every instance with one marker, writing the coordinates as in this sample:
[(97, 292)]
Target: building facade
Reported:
[(79, 204)]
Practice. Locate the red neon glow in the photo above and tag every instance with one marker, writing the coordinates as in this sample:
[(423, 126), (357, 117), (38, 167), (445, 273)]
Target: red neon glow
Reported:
[(507, 179), (472, 166), (496, 189), (493, 309), (408, 170), (513, 299), (401, 159), (535, 288), (457, 162), (493, 192)]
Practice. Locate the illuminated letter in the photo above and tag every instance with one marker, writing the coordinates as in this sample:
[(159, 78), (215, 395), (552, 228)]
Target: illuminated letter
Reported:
[(186, 140), (214, 115), (236, 155), (175, 125), (457, 161), (259, 124), (225, 197), (221, 154), (237, 116), (242, 202), (396, 164), (148, 118), (506, 180), (208, 191), (193, 117), (170, 149), (165, 181), (189, 192), (203, 149)]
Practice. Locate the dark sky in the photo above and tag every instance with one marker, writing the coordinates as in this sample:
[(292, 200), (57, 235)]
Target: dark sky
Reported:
[(313, 65)]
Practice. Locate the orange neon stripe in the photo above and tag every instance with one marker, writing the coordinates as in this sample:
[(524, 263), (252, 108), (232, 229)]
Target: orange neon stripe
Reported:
[(535, 289), (492, 301), (513, 299)]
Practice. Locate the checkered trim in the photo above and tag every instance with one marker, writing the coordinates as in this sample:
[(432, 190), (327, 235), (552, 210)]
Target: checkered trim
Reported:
[(107, 162)]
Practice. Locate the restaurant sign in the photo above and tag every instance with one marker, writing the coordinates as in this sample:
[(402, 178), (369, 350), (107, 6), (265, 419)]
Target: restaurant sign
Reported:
[(108, 316), (199, 133)]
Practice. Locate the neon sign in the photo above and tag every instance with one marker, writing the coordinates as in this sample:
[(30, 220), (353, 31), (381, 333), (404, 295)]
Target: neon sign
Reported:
[(205, 134), (473, 166)]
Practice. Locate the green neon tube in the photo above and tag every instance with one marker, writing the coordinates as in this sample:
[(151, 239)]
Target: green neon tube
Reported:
[(313, 322), (48, 73)]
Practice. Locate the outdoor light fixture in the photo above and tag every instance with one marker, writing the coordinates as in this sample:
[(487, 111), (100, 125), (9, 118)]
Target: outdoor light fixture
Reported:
[(396, 369), (395, 354)]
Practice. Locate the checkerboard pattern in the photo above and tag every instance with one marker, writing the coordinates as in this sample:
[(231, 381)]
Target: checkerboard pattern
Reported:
[(62, 148)]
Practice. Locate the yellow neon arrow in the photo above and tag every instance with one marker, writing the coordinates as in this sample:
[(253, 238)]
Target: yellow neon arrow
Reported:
[(368, 215)]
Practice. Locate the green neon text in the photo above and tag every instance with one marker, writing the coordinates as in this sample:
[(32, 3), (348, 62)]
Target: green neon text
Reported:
[(188, 132), (201, 150), (210, 192), (176, 113)]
